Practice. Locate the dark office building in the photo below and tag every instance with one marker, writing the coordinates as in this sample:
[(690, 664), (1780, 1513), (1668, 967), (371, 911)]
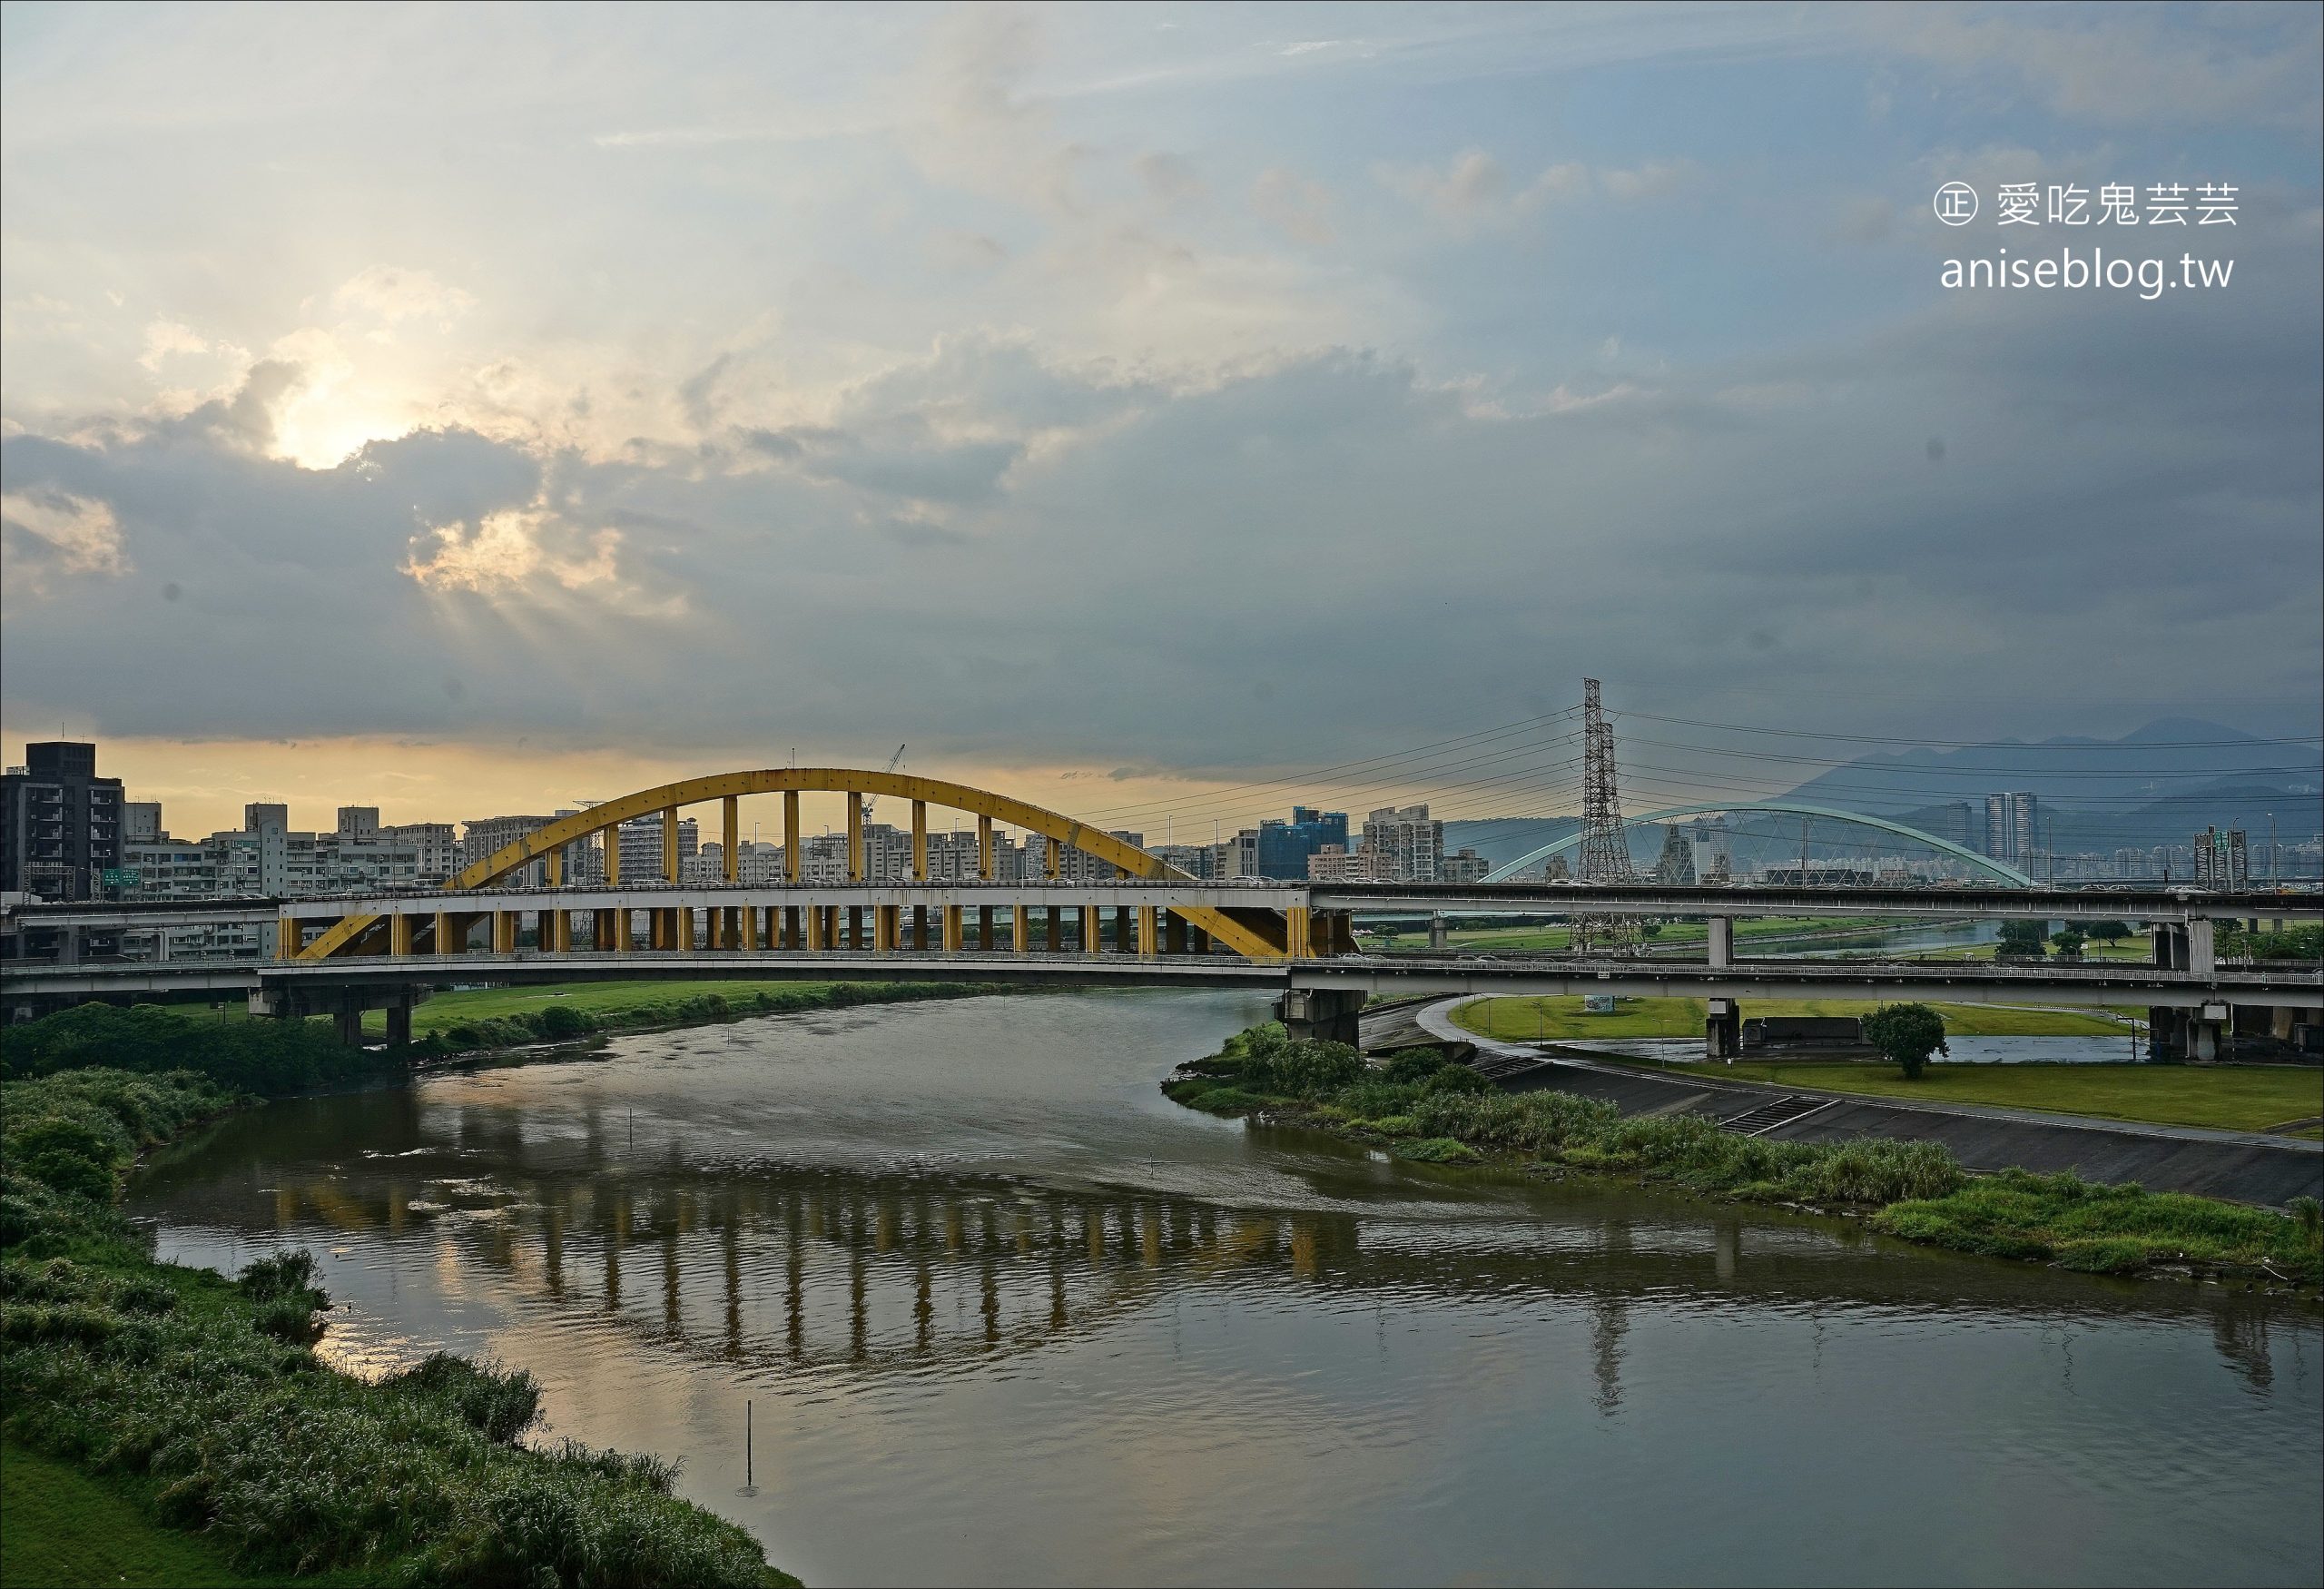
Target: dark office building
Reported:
[(59, 823), (1284, 846)]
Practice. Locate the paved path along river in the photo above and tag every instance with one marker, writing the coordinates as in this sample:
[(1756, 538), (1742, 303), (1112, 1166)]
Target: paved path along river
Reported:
[(1006, 1315)]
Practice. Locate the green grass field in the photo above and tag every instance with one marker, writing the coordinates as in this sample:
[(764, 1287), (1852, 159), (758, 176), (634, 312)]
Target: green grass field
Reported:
[(2138, 948), (2236, 1098), (64, 1528), (1532, 1020), (1673, 934)]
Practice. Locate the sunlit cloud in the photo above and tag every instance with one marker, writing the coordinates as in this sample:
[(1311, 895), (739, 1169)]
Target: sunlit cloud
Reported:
[(54, 533)]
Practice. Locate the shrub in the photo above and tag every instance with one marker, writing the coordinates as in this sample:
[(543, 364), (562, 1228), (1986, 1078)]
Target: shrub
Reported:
[(1313, 1069), (1374, 1097), (1413, 1064), (498, 1405), (1438, 1150), (1456, 1079), (283, 1286), (73, 1156), (562, 1021)]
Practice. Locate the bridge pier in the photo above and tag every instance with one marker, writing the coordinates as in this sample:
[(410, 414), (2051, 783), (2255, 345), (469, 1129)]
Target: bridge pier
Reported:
[(1440, 935), (2172, 951), (1722, 1030), (1722, 941), (1328, 1014)]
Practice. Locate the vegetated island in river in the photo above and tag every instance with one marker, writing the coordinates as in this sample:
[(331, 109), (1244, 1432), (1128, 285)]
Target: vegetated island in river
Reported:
[(1427, 1107), (190, 1412)]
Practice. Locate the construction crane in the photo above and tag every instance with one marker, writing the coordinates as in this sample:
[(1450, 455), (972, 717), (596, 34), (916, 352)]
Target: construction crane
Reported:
[(893, 763)]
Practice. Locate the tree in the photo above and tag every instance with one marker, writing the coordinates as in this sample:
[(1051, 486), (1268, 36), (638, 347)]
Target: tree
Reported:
[(2023, 939), (2105, 931), (2069, 940), (1906, 1034)]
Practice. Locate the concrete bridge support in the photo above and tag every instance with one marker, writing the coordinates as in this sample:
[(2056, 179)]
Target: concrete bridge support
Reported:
[(1440, 935), (2187, 946), (1722, 940), (1325, 1013), (1722, 1030)]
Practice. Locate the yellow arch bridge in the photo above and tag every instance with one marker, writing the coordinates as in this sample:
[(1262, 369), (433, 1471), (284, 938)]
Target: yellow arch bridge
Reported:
[(802, 922)]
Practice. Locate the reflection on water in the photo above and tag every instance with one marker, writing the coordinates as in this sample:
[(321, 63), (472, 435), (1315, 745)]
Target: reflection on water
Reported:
[(1005, 1315)]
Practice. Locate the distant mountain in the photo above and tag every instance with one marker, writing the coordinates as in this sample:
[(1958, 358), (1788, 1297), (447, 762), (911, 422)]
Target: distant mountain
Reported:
[(2153, 766), (2230, 803), (2098, 796)]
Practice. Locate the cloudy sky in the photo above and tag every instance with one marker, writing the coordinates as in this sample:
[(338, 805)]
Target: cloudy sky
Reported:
[(477, 409)]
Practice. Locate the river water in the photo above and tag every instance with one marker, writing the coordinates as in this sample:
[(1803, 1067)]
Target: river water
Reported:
[(1005, 1315)]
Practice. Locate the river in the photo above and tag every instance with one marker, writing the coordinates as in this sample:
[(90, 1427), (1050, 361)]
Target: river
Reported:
[(1004, 1314)]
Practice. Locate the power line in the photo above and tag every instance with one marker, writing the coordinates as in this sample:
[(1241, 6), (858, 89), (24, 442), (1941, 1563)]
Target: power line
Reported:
[(1980, 744)]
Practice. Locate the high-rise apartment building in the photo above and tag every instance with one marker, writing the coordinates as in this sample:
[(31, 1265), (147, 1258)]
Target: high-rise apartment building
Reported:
[(1407, 845), (59, 823), (487, 836), (2013, 828), (641, 848)]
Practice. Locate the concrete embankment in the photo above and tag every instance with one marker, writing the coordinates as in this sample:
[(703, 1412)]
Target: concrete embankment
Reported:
[(2245, 1166)]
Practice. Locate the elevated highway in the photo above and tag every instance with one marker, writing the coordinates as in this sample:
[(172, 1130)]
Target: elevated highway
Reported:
[(1317, 995)]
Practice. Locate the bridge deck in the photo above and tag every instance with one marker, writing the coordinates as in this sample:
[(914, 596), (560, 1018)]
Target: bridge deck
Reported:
[(1955, 982)]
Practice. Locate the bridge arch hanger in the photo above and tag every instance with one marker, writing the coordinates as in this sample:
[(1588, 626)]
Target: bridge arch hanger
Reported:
[(1240, 931), (2001, 869)]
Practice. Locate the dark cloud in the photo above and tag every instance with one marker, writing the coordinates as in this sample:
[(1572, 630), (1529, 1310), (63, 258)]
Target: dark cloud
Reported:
[(1299, 563)]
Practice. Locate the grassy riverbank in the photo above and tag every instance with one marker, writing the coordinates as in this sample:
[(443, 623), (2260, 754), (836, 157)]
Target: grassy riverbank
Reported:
[(1563, 1019), (208, 1390), (2234, 1098), (1427, 1109), (485, 1018)]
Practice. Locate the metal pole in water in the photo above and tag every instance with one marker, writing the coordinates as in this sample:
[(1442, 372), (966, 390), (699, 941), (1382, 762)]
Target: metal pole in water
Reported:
[(748, 1479)]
